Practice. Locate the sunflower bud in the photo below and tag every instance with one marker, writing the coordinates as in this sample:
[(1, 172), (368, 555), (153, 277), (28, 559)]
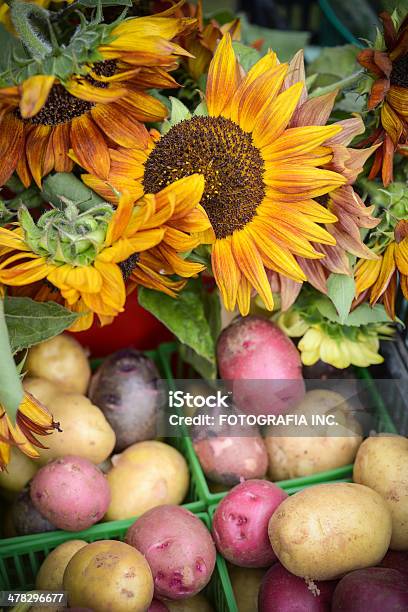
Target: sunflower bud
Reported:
[(68, 235)]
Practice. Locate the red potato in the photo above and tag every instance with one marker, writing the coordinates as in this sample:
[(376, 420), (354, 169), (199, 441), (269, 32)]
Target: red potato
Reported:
[(240, 524), (228, 460), (375, 589), (178, 548), (252, 352), (71, 492), (282, 591)]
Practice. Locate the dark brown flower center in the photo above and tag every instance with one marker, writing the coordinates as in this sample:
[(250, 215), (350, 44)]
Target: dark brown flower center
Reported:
[(220, 150), (61, 106), (399, 73), (128, 265)]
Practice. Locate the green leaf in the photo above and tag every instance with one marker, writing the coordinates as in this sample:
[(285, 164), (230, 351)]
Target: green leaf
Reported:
[(337, 61), (201, 110), (179, 112), (284, 43), (207, 369), (30, 322), (366, 314), (185, 317), (341, 290), (247, 56), (64, 187)]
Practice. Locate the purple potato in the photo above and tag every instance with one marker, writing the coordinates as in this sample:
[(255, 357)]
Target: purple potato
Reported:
[(26, 518), (375, 589), (127, 388)]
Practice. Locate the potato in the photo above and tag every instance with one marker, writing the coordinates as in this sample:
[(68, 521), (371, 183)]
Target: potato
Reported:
[(240, 523), (51, 572), (281, 591), (178, 548), (71, 492), (145, 475), (292, 456), (85, 431), (128, 390), (198, 603), (375, 589), (19, 471), (245, 584), (382, 465), (109, 576), (327, 530), (42, 389), (262, 366), (27, 519), (61, 360)]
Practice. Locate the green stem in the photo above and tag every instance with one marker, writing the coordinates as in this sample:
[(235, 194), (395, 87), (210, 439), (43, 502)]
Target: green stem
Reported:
[(349, 80), (11, 389), (24, 16)]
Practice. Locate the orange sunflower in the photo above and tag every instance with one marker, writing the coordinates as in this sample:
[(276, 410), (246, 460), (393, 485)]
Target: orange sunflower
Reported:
[(86, 258), (351, 212), (261, 176), (378, 280), (389, 68), (43, 117)]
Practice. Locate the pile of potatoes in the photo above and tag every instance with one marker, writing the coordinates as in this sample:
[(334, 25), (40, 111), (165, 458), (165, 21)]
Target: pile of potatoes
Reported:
[(334, 547), (166, 559), (105, 464)]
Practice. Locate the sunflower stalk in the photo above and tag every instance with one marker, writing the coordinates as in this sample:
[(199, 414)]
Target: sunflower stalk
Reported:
[(11, 389), (29, 20)]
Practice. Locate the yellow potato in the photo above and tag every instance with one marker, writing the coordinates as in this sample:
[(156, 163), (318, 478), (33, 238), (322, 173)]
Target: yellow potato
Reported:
[(51, 572), (42, 389), (146, 475), (85, 430), (198, 603), (330, 529), (63, 361), (382, 465), (109, 576), (245, 584), (292, 456), (19, 471)]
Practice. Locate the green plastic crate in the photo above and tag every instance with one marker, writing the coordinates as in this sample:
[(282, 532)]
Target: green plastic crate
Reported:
[(341, 474), (20, 560)]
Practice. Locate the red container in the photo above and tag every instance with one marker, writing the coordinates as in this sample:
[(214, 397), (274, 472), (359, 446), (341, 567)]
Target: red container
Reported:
[(133, 327)]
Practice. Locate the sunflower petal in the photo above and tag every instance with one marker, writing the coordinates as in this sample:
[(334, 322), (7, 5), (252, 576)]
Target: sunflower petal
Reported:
[(223, 77), (386, 272), (34, 94), (90, 147), (250, 263), (273, 120), (226, 272), (11, 145)]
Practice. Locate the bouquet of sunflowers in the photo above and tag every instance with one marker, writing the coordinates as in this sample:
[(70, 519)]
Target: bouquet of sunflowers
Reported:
[(145, 147)]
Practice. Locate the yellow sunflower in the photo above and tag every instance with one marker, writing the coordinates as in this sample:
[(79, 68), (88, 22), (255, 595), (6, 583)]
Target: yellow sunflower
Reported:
[(42, 118), (88, 257), (378, 280), (32, 418), (261, 176)]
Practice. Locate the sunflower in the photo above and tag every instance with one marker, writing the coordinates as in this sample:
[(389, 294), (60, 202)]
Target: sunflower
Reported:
[(389, 67), (32, 418), (378, 280), (44, 116), (261, 177), (85, 258), (351, 212)]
